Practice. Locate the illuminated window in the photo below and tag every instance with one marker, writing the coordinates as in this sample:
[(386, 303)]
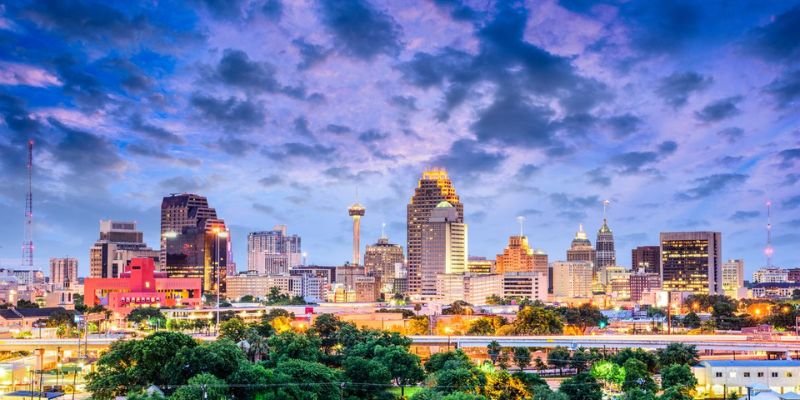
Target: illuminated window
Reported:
[(732, 374)]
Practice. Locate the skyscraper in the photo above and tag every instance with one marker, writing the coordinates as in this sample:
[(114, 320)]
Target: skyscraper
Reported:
[(273, 252), (444, 246), (646, 259), (381, 259), (433, 188), (732, 277), (63, 272), (118, 244), (691, 262), (581, 248), (516, 257), (606, 255), (572, 279), (195, 241), (356, 211)]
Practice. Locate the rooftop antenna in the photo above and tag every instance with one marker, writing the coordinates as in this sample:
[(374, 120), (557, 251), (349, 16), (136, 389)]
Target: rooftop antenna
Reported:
[(383, 230), (521, 221), (605, 208), (27, 244), (768, 251)]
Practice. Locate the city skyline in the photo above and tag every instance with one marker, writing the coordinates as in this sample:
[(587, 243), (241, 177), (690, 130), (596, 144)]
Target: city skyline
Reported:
[(682, 129)]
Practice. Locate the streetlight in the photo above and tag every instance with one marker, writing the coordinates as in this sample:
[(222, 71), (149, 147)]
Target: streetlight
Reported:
[(220, 234)]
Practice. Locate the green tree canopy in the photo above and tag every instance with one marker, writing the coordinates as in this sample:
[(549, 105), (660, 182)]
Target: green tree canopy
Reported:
[(538, 320), (202, 386), (582, 387), (522, 357), (503, 386), (404, 367), (294, 346), (691, 320), (234, 329), (310, 380), (678, 376), (367, 379), (220, 358), (436, 362), (559, 357), (677, 353), (649, 358), (139, 315), (637, 376)]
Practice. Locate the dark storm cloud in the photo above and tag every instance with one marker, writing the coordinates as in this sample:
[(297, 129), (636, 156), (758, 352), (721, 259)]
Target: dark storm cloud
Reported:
[(313, 152), (225, 9), (182, 184), (138, 124), (18, 119), (711, 185), (234, 146), (786, 89), (632, 162), (372, 135), (77, 82), (624, 124), (236, 69), (230, 113), (269, 210), (361, 30), (301, 126), (731, 134), (598, 176), (469, 158), (337, 129), (788, 157), (526, 171), (271, 180), (675, 89), (405, 102), (427, 70), (730, 161), (741, 216), (719, 109), (780, 39), (273, 10), (511, 120), (310, 54), (458, 10), (658, 27), (96, 21), (791, 179), (791, 203), (88, 156)]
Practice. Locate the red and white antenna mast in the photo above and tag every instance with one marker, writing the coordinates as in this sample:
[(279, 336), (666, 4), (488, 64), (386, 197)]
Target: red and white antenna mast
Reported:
[(768, 251), (27, 244)]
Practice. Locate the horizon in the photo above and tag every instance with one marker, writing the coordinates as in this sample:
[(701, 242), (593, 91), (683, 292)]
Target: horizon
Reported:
[(683, 115)]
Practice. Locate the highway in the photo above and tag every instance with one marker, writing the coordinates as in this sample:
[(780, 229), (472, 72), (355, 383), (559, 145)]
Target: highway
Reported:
[(738, 343)]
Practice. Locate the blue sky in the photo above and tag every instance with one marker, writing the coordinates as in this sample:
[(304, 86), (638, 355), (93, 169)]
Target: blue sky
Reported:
[(684, 114)]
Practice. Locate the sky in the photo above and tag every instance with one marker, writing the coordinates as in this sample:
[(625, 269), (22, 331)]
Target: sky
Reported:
[(685, 115)]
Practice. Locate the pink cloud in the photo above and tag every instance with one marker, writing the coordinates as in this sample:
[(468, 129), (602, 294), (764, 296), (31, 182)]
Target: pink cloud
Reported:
[(20, 74)]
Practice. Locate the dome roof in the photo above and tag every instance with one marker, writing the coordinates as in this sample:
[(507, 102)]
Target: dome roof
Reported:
[(444, 204)]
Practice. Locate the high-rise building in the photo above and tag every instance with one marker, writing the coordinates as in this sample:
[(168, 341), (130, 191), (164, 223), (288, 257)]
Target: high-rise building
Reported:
[(356, 211), (691, 262), (525, 285), (516, 257), (606, 255), (433, 188), (444, 246), (732, 277), (646, 259), (195, 242), (380, 259), (273, 252), (642, 282), (771, 275), (480, 265), (63, 272), (581, 248), (118, 244), (572, 279)]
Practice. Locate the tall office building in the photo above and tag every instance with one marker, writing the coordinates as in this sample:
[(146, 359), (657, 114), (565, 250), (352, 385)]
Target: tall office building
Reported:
[(63, 272), (273, 252), (196, 243), (433, 188), (444, 246), (381, 259), (118, 244), (606, 255), (646, 259), (572, 279), (691, 262), (516, 257), (581, 248), (643, 282), (732, 277), (356, 211)]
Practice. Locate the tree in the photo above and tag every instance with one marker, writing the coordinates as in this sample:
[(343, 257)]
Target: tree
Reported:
[(678, 376), (22, 303), (60, 318), (367, 378), (293, 346), (522, 357), (538, 320), (691, 321), (437, 361), (650, 359), (247, 299), (580, 360), (503, 386), (609, 372), (493, 349), (582, 387), (458, 307), (531, 381), (456, 377), (559, 358), (674, 393), (246, 382), (220, 358), (418, 326), (327, 326), (677, 353), (404, 367), (583, 316), (203, 386), (234, 329), (139, 315), (483, 326), (637, 376), (310, 380), (638, 394)]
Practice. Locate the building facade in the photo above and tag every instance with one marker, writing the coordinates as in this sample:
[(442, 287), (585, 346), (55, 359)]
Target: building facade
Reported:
[(380, 259), (444, 246), (581, 248), (572, 279), (118, 244), (433, 188), (273, 252), (646, 259), (606, 253), (525, 285), (723, 378), (691, 262), (732, 278), (771, 275), (516, 257), (643, 282), (480, 265), (63, 272)]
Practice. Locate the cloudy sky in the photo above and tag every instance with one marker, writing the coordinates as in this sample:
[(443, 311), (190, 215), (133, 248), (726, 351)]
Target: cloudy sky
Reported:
[(685, 114)]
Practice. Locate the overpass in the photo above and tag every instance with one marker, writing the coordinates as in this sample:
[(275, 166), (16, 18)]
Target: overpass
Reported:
[(738, 343)]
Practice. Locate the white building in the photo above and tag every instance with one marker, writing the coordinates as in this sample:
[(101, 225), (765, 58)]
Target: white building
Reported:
[(259, 286), (733, 278), (472, 288), (531, 285), (771, 275), (444, 247), (572, 279), (273, 252), (715, 377)]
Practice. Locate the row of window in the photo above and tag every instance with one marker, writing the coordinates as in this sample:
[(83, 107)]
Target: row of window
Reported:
[(732, 374)]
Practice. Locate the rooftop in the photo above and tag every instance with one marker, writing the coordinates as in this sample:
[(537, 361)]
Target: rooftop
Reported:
[(751, 363)]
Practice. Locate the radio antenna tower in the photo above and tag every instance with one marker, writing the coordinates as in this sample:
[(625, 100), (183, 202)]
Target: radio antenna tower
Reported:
[(768, 251), (27, 244)]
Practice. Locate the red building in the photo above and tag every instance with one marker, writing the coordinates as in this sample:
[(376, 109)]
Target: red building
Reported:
[(140, 285)]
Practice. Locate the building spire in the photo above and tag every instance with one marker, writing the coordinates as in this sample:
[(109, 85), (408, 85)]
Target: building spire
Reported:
[(768, 251), (521, 221), (605, 208), (383, 230)]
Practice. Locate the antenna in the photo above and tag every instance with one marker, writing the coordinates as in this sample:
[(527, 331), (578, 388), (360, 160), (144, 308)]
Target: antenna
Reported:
[(383, 230), (768, 251), (27, 244), (521, 221), (605, 208)]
